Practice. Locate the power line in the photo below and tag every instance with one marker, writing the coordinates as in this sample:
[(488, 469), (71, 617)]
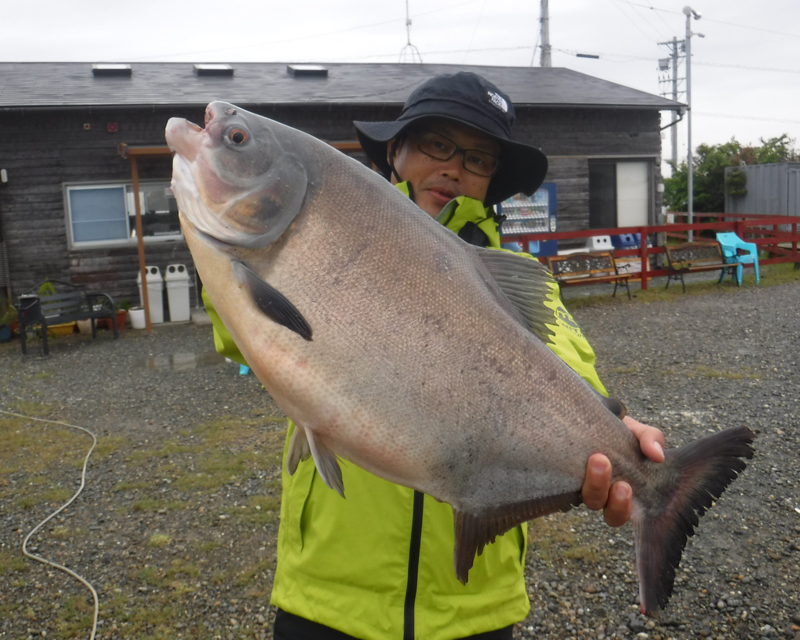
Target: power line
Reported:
[(303, 37), (745, 26), (661, 36), (741, 66), (616, 6), (736, 117)]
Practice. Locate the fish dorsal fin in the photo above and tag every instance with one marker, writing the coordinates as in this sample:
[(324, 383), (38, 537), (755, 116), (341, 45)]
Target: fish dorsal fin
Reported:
[(473, 533), (526, 284), (272, 302), (327, 464), (299, 449)]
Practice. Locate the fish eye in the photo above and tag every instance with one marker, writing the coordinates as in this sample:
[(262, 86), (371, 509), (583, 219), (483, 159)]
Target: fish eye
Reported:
[(237, 136)]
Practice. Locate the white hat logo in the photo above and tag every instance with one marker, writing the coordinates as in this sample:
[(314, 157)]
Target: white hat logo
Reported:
[(498, 101)]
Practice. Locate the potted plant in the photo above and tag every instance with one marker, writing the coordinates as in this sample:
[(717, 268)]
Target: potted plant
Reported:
[(8, 317), (48, 289), (122, 310)]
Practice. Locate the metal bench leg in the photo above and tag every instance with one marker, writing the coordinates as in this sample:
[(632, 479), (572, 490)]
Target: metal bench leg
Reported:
[(628, 287), (45, 346), (683, 283), (23, 337)]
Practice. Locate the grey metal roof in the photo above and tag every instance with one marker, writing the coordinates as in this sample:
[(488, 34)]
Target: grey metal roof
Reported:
[(72, 84)]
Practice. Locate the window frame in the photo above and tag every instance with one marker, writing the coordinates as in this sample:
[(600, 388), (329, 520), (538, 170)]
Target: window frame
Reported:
[(127, 189)]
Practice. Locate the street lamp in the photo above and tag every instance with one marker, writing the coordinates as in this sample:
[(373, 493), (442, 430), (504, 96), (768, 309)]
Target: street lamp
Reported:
[(690, 13)]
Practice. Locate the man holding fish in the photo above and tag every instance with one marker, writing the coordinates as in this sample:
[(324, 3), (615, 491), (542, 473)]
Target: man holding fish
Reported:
[(379, 564)]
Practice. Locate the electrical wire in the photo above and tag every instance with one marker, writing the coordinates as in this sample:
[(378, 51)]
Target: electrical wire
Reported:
[(59, 510), (616, 6), (314, 36), (638, 13)]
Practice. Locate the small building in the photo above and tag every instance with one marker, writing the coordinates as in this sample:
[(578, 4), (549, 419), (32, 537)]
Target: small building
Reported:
[(67, 203)]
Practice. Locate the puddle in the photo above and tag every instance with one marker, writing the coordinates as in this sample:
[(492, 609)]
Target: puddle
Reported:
[(184, 361)]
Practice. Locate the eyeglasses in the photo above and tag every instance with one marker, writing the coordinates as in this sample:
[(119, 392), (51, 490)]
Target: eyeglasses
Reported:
[(440, 147)]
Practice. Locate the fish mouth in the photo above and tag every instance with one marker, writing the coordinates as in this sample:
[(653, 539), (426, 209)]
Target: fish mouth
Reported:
[(184, 138)]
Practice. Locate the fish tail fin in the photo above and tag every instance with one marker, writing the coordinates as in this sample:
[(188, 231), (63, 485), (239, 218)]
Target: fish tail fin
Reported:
[(697, 475)]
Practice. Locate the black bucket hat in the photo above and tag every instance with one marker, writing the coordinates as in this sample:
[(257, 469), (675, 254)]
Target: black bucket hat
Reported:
[(474, 101)]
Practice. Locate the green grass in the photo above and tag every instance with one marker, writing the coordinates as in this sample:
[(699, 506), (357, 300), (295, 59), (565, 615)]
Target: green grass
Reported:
[(227, 450), (708, 372), (159, 540), (12, 562), (153, 504)]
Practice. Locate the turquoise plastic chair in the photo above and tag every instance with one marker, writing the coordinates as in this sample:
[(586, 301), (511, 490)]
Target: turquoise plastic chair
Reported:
[(730, 244)]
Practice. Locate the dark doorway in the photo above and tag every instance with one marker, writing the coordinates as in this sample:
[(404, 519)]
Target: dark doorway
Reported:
[(602, 195)]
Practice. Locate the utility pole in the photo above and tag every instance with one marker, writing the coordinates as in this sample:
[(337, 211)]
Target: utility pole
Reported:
[(544, 18), (689, 13), (671, 64), (674, 132)]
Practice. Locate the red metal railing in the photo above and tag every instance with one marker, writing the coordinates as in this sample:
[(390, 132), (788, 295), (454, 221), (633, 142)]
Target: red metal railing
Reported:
[(764, 231)]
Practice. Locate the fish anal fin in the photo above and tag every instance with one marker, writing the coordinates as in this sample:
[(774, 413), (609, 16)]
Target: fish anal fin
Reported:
[(299, 449), (473, 533), (272, 302), (327, 464)]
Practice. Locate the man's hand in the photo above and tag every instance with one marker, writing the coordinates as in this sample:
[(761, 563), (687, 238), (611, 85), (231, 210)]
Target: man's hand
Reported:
[(616, 500)]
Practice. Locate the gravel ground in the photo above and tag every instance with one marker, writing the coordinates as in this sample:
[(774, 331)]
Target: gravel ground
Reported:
[(176, 527)]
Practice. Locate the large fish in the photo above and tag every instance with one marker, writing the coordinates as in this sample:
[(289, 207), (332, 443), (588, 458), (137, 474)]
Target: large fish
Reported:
[(395, 345)]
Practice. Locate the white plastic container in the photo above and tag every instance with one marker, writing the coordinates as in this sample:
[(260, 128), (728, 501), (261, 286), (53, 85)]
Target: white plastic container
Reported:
[(177, 279), (599, 243), (137, 318), (155, 288)]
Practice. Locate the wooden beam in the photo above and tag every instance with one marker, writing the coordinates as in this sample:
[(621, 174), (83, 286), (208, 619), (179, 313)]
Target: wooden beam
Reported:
[(346, 146), (140, 242), (132, 152)]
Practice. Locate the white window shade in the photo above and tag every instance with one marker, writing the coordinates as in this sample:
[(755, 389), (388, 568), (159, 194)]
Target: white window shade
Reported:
[(632, 194), (98, 214)]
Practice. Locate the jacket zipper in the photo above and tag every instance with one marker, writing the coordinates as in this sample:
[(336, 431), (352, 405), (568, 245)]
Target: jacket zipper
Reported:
[(413, 567)]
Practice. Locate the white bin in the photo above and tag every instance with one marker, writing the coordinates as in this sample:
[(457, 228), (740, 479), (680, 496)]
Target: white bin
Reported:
[(177, 279), (155, 288)]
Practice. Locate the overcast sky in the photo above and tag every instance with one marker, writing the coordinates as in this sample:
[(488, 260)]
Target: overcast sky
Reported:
[(745, 71)]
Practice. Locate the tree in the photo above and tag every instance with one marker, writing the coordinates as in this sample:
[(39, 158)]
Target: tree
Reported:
[(709, 163)]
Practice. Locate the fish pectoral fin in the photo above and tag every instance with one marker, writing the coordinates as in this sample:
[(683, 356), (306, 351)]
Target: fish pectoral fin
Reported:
[(299, 449), (271, 302), (473, 532), (327, 464), (614, 405), (526, 284)]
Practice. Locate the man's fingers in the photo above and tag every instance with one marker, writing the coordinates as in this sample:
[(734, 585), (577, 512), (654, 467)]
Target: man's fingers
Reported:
[(620, 501), (651, 440), (597, 482)]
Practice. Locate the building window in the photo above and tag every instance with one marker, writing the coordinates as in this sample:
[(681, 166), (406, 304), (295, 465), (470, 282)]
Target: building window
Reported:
[(100, 215), (619, 193)]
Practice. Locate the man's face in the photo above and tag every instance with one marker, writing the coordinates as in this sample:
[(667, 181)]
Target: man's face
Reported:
[(436, 182)]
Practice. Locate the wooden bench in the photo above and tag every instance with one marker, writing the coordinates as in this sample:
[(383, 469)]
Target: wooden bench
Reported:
[(588, 267), (691, 257), (71, 305)]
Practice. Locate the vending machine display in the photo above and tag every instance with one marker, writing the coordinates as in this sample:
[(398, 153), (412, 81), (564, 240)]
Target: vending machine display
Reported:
[(531, 214)]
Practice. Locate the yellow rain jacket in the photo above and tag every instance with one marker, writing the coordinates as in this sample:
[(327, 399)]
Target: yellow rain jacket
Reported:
[(378, 565)]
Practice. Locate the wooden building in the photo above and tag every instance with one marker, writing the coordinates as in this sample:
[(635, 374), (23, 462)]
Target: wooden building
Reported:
[(67, 202)]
